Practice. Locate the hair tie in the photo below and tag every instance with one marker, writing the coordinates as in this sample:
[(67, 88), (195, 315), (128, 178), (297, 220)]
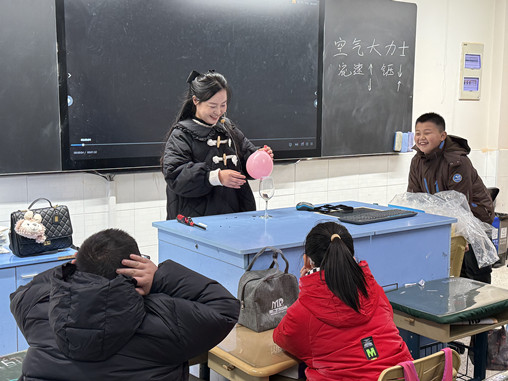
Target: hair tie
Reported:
[(192, 76), (334, 236)]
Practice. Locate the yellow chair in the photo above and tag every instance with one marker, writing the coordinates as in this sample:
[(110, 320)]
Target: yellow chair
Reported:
[(429, 368), (458, 247)]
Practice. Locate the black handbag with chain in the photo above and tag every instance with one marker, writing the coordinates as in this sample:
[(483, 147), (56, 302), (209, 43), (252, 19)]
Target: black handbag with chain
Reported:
[(39, 231)]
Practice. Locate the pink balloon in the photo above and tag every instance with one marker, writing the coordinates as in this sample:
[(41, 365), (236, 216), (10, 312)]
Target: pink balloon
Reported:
[(259, 165)]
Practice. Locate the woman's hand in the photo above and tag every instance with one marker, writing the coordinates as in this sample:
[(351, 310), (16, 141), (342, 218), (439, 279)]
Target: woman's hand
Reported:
[(231, 179), (268, 150), (141, 269)]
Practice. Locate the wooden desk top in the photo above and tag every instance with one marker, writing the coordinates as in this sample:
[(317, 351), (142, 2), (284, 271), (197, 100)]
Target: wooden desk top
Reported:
[(253, 353)]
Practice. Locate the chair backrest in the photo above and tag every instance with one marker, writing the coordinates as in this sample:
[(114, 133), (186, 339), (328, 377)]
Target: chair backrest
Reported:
[(493, 191), (429, 368)]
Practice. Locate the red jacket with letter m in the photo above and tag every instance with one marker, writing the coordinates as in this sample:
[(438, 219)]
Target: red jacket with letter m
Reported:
[(336, 342)]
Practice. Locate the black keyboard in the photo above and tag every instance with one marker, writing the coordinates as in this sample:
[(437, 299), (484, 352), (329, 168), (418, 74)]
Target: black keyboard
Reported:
[(361, 216)]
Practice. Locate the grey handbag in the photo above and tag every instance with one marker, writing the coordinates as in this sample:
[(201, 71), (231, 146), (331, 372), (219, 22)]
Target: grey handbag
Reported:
[(265, 295)]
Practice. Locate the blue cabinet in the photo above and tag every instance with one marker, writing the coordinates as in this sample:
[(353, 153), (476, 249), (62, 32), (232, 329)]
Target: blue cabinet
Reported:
[(15, 272)]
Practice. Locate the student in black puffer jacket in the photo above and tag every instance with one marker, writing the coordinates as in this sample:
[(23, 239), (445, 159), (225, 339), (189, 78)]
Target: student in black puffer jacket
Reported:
[(92, 320)]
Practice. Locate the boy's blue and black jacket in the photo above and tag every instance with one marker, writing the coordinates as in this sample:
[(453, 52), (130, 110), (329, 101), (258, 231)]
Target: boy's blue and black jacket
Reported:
[(449, 168)]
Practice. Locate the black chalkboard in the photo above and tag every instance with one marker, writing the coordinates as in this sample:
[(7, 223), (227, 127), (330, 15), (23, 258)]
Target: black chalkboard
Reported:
[(29, 113), (368, 70)]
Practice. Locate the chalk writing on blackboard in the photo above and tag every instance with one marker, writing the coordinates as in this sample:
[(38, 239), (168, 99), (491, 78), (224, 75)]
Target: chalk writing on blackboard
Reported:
[(355, 48)]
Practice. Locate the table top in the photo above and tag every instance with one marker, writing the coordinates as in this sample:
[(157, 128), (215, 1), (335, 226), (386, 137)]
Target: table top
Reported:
[(449, 300), (10, 366), (247, 233), (252, 352), (9, 260)]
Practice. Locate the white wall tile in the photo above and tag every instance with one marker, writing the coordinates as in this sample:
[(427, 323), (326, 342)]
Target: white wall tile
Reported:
[(374, 195), (311, 176), (284, 177), (343, 173), (149, 190), (13, 195), (95, 222), (398, 168), (145, 234), (78, 228), (285, 201), (479, 160), (489, 181), (493, 162), (163, 213), (502, 197), (342, 195), (312, 197), (124, 191), (62, 189), (97, 191), (152, 251), (502, 163), (373, 172), (125, 220)]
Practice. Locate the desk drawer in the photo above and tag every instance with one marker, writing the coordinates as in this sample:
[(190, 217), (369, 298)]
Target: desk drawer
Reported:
[(189, 244), (25, 274), (231, 372)]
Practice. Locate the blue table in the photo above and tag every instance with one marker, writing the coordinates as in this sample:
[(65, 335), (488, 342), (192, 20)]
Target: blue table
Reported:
[(399, 251), (15, 272)]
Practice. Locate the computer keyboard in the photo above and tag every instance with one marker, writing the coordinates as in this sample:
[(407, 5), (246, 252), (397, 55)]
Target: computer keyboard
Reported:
[(361, 216)]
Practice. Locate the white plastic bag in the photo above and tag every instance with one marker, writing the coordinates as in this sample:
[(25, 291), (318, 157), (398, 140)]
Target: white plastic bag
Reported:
[(454, 204)]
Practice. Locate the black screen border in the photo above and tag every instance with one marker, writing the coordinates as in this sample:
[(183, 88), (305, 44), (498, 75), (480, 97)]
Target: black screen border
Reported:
[(153, 163)]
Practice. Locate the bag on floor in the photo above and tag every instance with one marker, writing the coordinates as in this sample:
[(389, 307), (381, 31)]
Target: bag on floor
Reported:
[(497, 349), (39, 231), (265, 295)]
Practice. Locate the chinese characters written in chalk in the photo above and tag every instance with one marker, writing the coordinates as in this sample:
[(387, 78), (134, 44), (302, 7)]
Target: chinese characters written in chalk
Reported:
[(365, 50)]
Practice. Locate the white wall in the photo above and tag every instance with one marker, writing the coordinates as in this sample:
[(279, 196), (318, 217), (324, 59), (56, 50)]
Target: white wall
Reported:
[(133, 201)]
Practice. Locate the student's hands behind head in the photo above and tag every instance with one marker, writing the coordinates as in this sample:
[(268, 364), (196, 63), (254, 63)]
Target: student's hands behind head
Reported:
[(141, 269)]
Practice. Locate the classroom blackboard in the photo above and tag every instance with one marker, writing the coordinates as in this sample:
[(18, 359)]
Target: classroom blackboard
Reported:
[(368, 70), (29, 111)]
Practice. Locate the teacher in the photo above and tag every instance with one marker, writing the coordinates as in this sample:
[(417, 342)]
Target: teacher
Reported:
[(205, 156)]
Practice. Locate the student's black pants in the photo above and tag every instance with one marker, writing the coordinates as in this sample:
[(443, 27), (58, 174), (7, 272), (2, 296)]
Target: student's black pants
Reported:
[(471, 270)]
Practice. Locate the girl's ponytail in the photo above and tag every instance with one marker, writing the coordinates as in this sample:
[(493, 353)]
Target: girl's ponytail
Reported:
[(330, 246)]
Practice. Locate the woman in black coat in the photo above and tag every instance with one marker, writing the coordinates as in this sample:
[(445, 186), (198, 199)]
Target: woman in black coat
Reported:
[(205, 156)]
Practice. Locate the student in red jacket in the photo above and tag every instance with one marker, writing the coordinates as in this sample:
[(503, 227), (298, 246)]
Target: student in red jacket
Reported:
[(342, 325)]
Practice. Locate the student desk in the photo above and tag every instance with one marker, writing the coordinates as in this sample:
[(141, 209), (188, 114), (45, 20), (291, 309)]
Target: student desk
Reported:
[(245, 355), (10, 366), (15, 272), (399, 251), (430, 310)]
